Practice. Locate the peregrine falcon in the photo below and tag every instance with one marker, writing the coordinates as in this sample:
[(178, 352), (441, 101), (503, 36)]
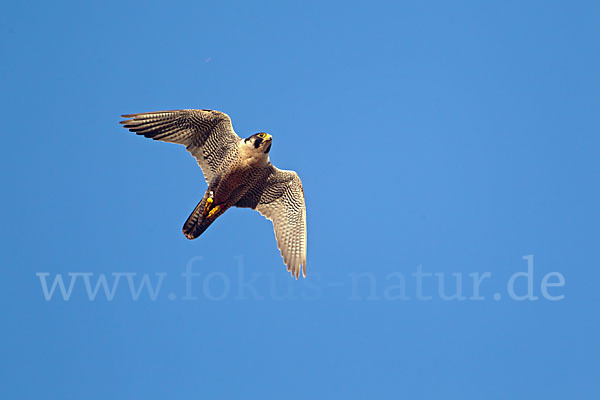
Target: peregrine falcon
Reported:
[(238, 173)]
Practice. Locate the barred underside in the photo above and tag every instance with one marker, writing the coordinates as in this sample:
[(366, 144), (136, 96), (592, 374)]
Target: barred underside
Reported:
[(209, 136)]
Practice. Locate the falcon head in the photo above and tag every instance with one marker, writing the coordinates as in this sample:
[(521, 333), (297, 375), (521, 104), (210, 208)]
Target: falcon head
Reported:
[(260, 141)]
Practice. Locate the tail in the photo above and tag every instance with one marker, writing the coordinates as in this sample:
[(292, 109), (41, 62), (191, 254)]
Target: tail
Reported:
[(197, 222)]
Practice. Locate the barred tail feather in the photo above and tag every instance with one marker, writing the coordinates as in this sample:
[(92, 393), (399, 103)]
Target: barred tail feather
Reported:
[(196, 223)]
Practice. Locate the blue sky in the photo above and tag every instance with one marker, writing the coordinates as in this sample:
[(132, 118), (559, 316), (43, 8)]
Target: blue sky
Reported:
[(444, 137)]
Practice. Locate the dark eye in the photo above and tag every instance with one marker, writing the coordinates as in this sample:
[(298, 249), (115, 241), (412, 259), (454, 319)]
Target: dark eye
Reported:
[(261, 135)]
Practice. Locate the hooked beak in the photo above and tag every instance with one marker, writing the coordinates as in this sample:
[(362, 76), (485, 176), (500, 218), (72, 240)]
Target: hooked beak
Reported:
[(269, 139)]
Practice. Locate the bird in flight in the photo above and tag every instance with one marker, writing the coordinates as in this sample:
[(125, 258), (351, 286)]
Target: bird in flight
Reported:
[(238, 173)]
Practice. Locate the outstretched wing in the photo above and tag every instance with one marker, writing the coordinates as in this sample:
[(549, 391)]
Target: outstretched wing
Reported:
[(207, 134), (281, 200)]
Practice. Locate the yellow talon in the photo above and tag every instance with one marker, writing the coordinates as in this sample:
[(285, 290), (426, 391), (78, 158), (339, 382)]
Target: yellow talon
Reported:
[(209, 202), (214, 211)]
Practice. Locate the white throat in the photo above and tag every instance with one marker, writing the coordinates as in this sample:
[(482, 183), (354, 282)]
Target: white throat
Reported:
[(252, 156)]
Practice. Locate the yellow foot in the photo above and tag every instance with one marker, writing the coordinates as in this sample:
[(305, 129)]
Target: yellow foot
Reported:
[(209, 202), (214, 211)]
